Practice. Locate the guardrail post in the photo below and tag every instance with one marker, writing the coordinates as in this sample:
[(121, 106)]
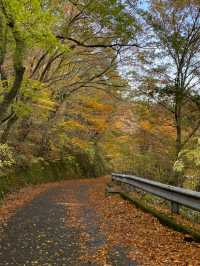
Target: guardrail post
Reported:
[(175, 208)]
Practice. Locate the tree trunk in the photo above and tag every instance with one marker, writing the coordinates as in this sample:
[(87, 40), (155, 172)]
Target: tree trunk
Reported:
[(178, 121), (10, 124), (17, 59), (178, 177), (10, 96), (3, 46)]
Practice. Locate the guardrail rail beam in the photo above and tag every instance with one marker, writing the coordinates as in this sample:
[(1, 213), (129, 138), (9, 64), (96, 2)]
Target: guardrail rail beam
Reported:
[(176, 195)]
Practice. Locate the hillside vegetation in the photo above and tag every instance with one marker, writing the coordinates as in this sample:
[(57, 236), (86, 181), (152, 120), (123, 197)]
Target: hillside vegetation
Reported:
[(88, 87)]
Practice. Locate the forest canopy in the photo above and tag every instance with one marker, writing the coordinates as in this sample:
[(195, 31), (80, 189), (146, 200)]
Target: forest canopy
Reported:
[(88, 87)]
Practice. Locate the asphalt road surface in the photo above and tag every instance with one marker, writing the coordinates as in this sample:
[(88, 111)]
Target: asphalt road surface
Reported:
[(49, 231)]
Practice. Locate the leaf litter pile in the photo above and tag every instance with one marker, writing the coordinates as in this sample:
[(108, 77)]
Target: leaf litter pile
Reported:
[(106, 222), (148, 242)]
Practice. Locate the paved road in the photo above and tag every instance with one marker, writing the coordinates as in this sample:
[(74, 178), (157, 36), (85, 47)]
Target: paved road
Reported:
[(50, 231)]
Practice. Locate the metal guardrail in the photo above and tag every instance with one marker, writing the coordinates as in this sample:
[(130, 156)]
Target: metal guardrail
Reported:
[(177, 196)]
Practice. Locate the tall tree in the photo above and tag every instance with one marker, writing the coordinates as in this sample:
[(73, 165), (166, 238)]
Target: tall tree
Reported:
[(170, 66)]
